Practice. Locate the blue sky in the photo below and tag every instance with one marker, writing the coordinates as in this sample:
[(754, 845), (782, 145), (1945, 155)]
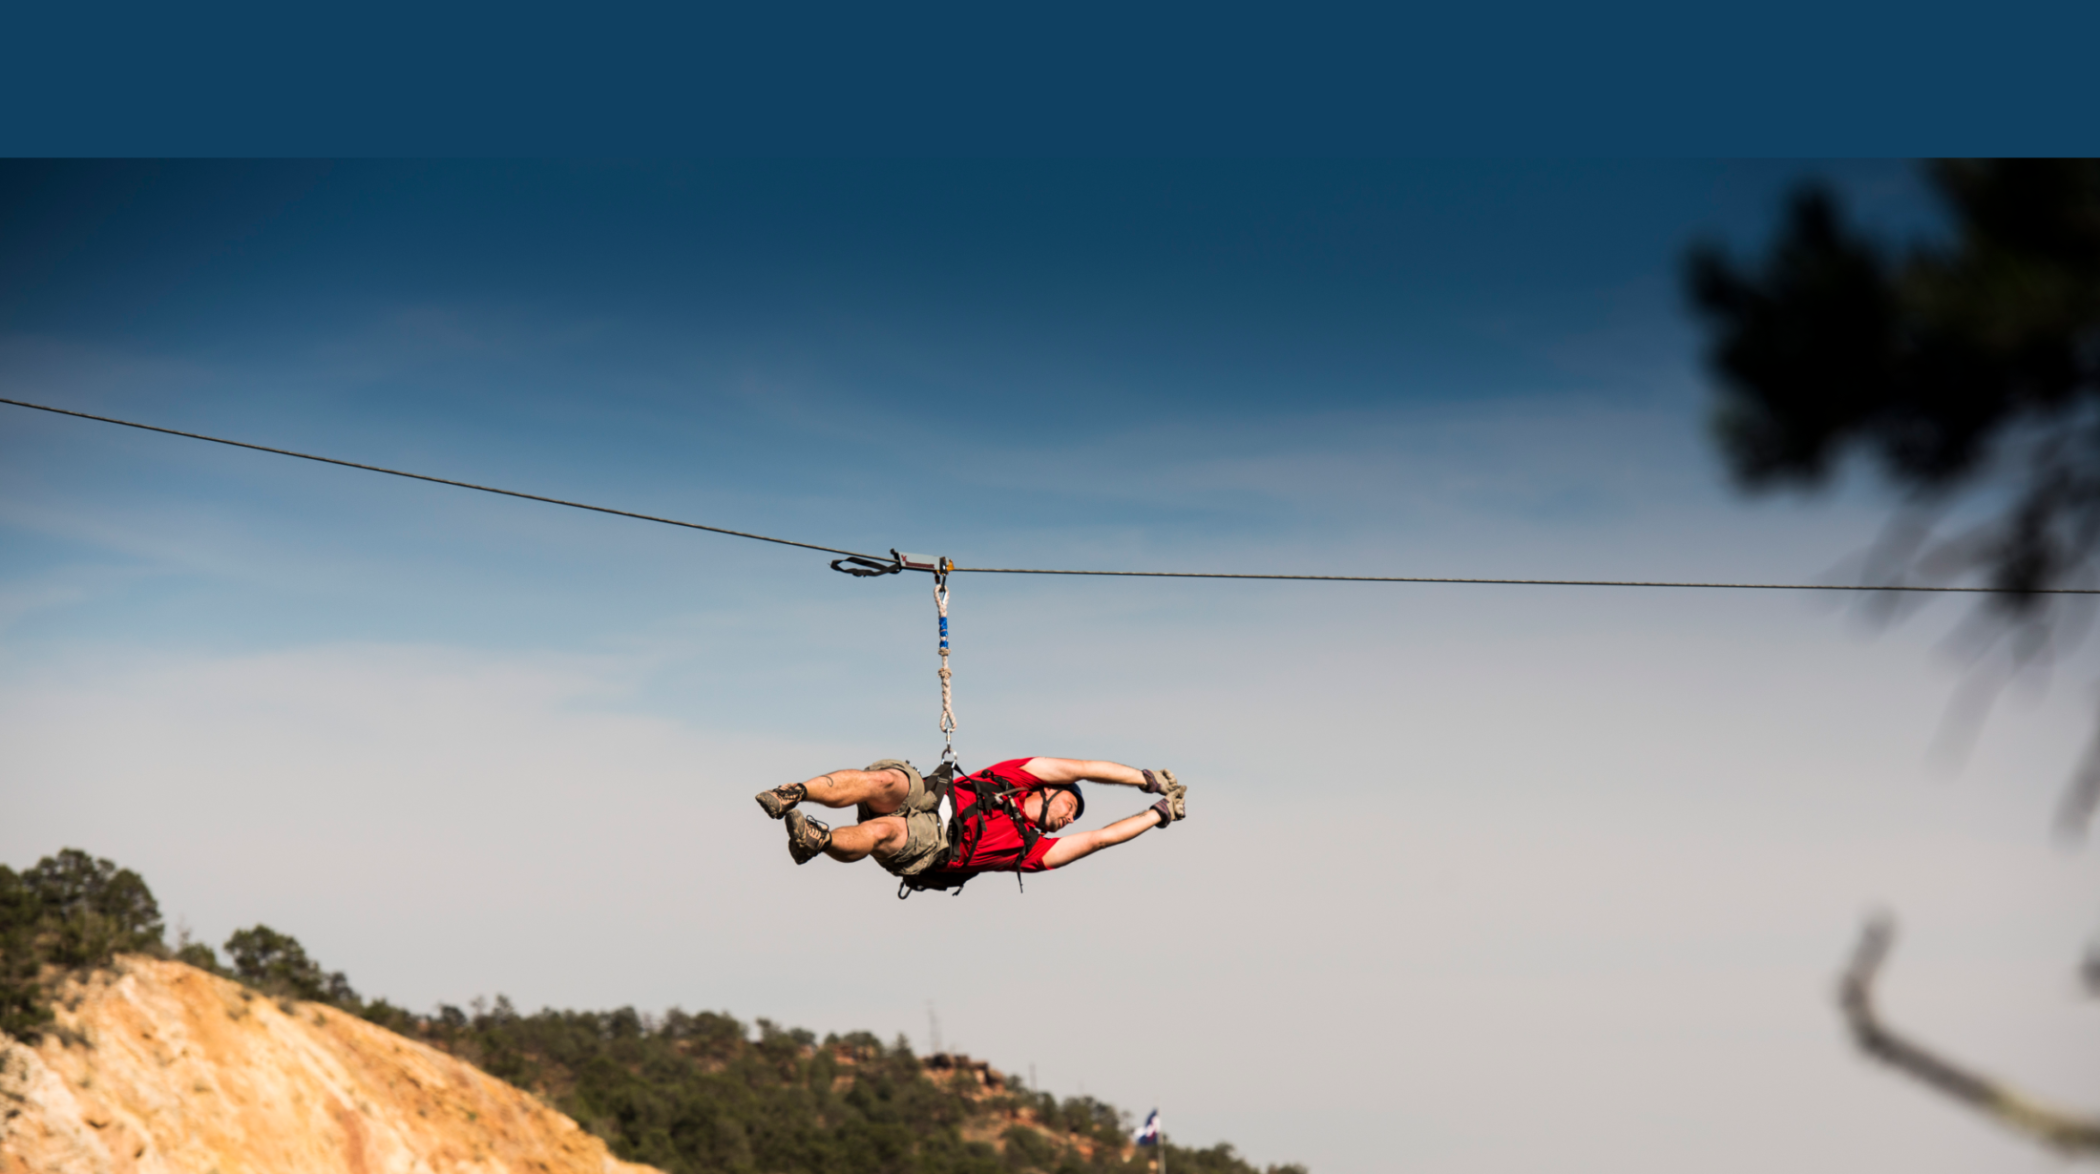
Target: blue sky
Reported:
[(754, 341), (1596, 854), (1622, 77)]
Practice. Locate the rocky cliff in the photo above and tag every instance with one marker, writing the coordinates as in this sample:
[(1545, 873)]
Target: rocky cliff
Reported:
[(159, 1067)]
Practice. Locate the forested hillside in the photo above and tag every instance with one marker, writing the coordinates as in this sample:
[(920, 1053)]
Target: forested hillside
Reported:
[(682, 1092)]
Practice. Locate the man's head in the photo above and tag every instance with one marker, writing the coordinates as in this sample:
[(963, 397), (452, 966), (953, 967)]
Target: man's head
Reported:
[(1056, 806)]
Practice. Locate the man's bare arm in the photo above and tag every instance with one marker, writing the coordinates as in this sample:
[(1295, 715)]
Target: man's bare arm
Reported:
[(1071, 848), (1083, 770)]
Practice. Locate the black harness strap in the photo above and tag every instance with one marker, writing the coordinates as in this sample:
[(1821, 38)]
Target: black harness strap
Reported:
[(995, 796)]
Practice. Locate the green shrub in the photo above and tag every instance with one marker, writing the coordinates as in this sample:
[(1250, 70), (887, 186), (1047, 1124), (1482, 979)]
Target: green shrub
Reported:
[(71, 912), (24, 1007), (1218, 1159), (691, 1092), (199, 955), (92, 910), (276, 964)]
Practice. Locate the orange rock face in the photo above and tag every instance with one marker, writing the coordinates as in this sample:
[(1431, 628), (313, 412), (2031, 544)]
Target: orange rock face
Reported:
[(160, 1068)]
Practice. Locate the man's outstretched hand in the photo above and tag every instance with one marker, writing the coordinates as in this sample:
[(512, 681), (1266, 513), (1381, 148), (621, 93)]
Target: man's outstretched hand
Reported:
[(1176, 804), (1168, 810)]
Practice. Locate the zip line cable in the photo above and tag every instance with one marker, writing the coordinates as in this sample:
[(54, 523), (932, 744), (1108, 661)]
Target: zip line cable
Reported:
[(307, 456), (868, 565)]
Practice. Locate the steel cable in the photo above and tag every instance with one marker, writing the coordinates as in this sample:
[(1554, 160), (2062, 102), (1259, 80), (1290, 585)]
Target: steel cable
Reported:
[(892, 564)]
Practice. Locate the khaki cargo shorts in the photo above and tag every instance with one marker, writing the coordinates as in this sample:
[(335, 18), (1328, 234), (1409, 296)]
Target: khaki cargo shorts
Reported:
[(926, 833)]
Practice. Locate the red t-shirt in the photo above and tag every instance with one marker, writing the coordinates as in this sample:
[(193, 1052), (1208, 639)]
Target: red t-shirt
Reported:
[(998, 847)]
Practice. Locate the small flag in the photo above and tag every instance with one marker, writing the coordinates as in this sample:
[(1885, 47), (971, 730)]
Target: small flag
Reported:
[(1149, 1133)]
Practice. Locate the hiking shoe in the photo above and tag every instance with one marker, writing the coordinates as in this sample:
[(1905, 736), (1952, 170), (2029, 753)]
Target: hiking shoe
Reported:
[(806, 837), (779, 799)]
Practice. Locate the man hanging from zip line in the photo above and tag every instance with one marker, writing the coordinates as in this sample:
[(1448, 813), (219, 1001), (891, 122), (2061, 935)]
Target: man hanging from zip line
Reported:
[(1000, 816)]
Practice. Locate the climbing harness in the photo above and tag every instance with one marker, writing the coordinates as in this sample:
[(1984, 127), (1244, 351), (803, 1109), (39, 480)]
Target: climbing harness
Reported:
[(994, 797)]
